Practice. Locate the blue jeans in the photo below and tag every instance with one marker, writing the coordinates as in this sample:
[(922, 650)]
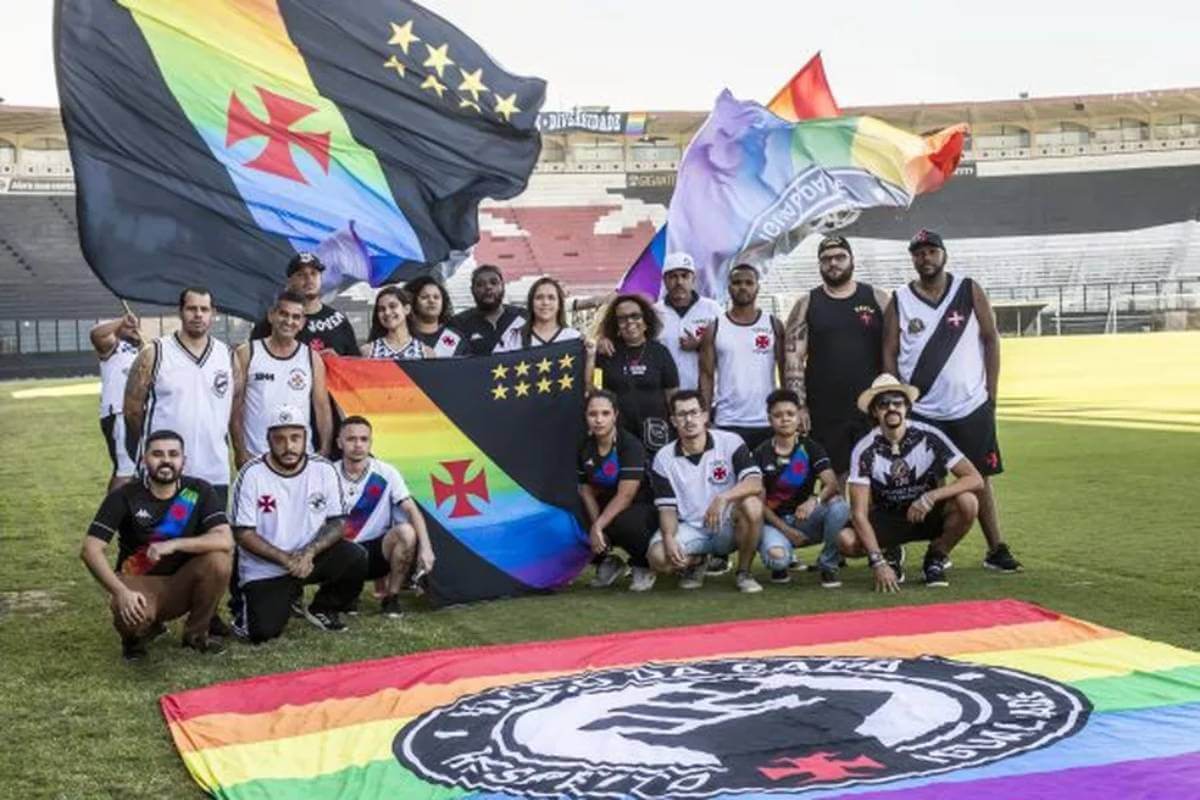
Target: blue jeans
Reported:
[(823, 525)]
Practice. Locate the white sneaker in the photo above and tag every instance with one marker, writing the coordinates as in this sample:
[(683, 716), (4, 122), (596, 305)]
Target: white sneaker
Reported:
[(692, 577), (607, 572), (643, 579), (746, 584)]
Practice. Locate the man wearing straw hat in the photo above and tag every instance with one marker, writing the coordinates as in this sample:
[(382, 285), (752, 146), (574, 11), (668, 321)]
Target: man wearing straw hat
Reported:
[(897, 490)]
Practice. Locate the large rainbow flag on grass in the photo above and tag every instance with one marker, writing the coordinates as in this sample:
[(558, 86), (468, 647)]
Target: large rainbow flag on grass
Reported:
[(213, 139), (982, 700), (487, 448)]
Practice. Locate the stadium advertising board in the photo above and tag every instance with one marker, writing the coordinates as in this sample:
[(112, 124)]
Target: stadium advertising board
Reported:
[(46, 185), (611, 122)]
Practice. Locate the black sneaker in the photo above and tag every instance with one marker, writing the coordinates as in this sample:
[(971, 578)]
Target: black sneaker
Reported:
[(325, 620), (781, 576), (205, 645), (830, 579), (895, 559), (390, 606), (218, 628), (935, 570), (717, 565), (133, 649), (352, 611), (1001, 559)]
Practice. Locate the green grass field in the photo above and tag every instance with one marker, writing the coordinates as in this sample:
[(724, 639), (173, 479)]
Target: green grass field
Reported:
[(1101, 437)]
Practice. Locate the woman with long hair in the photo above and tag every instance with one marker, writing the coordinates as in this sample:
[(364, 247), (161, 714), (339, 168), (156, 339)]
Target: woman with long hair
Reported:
[(640, 371), (429, 320), (615, 494), (546, 305), (390, 337)]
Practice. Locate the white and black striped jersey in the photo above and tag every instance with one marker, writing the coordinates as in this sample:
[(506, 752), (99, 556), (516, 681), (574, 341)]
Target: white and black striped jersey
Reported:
[(193, 396), (940, 350), (900, 473), (285, 510), (413, 351)]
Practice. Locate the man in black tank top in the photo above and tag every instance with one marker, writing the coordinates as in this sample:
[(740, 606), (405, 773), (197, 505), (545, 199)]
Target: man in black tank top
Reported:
[(833, 350)]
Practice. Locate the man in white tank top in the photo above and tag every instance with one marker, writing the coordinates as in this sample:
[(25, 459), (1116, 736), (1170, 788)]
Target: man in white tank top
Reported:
[(940, 336), (184, 382), (742, 353), (278, 370), (685, 317), (116, 342)]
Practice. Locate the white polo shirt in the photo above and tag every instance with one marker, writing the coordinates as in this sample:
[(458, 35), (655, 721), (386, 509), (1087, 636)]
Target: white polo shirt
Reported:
[(285, 510), (689, 483)]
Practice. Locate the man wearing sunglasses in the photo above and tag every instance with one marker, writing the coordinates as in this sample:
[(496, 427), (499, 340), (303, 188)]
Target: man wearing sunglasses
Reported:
[(897, 490)]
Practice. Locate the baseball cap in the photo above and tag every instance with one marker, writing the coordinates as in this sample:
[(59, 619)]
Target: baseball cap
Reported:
[(925, 237), (286, 416), (304, 259), (678, 260), (830, 242)]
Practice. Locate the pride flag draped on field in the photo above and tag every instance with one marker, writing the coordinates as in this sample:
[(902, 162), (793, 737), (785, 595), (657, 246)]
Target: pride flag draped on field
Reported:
[(751, 185), (502, 516), (211, 140), (982, 700)]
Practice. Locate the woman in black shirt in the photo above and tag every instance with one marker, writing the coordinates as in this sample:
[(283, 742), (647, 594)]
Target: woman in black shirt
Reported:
[(615, 494), (640, 372)]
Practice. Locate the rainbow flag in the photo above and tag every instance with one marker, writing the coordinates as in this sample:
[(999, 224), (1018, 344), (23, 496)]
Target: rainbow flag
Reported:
[(985, 700), (751, 185), (501, 523), (211, 140)]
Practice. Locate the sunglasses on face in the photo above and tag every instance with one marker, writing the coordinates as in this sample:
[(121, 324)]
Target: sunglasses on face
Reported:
[(889, 402), (624, 319)]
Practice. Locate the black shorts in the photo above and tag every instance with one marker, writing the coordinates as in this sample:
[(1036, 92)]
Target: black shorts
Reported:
[(377, 564), (975, 436), (753, 437), (838, 437), (893, 528), (113, 429)]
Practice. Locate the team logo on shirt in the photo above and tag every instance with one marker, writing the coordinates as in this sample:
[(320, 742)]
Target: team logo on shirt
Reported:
[(297, 380), (142, 515), (737, 726), (762, 342), (955, 319), (719, 471), (316, 501), (915, 326), (900, 472), (866, 315), (266, 504), (220, 384)]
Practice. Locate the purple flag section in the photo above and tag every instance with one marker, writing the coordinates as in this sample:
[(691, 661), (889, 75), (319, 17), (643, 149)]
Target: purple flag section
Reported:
[(645, 276)]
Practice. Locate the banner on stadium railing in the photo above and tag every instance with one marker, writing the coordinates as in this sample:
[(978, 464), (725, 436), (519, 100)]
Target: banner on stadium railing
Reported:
[(610, 122)]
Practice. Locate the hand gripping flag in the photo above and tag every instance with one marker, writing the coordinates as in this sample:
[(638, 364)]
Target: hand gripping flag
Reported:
[(751, 185), (984, 700), (487, 447), (211, 140)]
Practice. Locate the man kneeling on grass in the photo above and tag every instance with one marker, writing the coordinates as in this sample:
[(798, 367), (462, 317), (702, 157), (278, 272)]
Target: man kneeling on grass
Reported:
[(289, 520), (896, 491), (175, 551), (382, 517), (706, 487)]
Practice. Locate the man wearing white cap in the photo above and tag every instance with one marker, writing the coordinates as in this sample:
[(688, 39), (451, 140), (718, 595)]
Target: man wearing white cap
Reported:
[(289, 523), (685, 317), (896, 488)]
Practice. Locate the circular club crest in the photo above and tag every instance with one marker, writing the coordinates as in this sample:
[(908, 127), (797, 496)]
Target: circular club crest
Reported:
[(220, 383), (735, 726), (297, 380)]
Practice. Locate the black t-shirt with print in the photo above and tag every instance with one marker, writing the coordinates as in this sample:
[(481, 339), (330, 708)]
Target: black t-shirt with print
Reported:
[(789, 479), (625, 461), (326, 329), (137, 518), (640, 377)]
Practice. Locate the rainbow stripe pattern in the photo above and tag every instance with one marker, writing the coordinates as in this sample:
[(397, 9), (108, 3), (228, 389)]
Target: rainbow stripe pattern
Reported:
[(336, 731)]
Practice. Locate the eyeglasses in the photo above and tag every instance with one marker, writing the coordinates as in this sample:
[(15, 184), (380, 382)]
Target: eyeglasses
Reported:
[(889, 402), (624, 319), (691, 413)]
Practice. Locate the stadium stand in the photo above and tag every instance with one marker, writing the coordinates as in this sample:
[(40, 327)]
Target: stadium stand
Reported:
[(1086, 208)]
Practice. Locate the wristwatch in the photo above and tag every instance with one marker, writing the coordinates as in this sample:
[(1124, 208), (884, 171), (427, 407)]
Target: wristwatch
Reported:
[(874, 559)]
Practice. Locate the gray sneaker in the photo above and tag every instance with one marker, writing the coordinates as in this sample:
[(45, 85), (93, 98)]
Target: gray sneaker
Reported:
[(643, 579), (608, 572), (746, 583), (692, 577)]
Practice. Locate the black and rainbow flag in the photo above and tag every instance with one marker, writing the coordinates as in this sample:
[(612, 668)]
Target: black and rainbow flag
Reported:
[(213, 139)]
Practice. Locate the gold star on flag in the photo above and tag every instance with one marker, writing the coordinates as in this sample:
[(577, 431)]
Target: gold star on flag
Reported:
[(543, 365), (472, 82), (433, 83), (464, 103), (522, 369), (396, 64), (544, 386), (566, 361), (522, 389), (500, 392), (438, 58), (566, 382), (507, 106), (403, 35), (499, 372)]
